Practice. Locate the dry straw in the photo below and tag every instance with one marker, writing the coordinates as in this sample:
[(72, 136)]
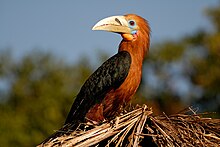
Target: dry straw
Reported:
[(140, 128)]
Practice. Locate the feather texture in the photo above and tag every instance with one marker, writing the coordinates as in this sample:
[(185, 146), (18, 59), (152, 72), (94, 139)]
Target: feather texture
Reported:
[(107, 77)]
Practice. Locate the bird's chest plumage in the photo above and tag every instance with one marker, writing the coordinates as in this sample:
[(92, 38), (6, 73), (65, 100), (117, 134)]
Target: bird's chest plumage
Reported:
[(117, 98), (122, 95)]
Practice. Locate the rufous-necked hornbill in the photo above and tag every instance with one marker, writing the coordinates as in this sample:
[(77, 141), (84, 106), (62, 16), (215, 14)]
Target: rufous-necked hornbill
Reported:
[(114, 83)]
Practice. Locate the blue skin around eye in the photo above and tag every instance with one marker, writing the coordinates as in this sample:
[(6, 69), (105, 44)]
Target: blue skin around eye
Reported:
[(132, 27)]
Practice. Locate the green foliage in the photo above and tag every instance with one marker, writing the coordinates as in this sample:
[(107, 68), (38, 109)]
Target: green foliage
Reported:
[(187, 69), (168, 51), (214, 16), (40, 95)]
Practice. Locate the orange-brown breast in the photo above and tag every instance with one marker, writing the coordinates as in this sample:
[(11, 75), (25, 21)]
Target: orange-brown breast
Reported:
[(116, 98), (121, 96)]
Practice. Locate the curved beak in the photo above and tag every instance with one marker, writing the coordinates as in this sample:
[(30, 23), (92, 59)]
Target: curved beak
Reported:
[(117, 24)]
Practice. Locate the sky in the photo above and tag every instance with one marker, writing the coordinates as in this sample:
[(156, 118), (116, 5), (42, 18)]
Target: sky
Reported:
[(64, 27)]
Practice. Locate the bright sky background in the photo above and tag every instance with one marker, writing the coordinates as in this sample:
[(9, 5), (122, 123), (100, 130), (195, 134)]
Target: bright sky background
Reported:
[(64, 27)]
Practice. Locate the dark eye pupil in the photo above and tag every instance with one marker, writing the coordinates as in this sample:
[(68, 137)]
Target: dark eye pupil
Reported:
[(132, 23)]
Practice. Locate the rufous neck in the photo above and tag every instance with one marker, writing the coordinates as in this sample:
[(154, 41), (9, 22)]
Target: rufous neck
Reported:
[(137, 48)]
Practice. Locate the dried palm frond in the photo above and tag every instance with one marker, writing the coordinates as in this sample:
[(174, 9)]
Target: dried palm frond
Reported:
[(140, 128)]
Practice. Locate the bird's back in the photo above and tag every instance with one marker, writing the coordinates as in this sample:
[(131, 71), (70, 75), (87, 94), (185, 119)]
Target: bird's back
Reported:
[(110, 75)]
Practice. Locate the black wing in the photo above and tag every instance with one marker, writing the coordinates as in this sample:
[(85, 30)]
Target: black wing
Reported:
[(110, 75)]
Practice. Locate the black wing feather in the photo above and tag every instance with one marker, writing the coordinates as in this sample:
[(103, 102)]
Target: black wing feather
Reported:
[(110, 75)]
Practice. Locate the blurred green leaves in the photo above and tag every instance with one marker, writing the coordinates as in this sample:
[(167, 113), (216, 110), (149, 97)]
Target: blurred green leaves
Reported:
[(186, 69), (40, 94)]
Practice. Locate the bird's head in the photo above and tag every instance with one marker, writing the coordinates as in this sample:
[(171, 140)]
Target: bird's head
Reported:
[(130, 26)]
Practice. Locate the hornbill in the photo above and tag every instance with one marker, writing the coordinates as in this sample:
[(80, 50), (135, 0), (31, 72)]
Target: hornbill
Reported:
[(114, 83)]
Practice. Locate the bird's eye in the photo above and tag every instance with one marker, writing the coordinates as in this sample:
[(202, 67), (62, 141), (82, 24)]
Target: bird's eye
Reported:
[(131, 22)]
